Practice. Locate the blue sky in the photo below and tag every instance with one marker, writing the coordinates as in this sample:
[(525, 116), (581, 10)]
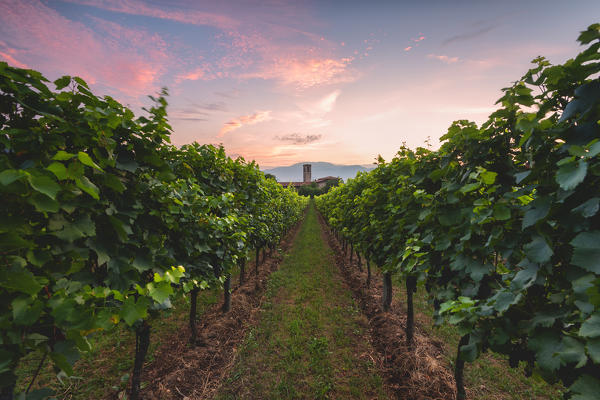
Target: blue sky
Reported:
[(288, 81)]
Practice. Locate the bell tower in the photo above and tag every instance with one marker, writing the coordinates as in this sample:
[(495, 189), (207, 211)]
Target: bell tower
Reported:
[(307, 173)]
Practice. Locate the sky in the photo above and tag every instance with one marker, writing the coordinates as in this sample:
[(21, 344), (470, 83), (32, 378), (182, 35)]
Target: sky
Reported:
[(282, 82)]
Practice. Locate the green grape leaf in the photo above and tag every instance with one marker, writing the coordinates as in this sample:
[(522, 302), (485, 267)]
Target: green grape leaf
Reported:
[(45, 185), (87, 186), (503, 300), (586, 251), (449, 217), (26, 310), (131, 311), (590, 34), (87, 160), (589, 208), (545, 346), (100, 250), (571, 174), (122, 229), (525, 277), (114, 183), (44, 203), (142, 263), (159, 291), (572, 352), (501, 212), (68, 349), (591, 327), (63, 156), (174, 274), (61, 362), (58, 169), (19, 279), (593, 349), (8, 176), (520, 176), (469, 187), (585, 388), (539, 209), (538, 250), (488, 177), (10, 241), (76, 230), (62, 82)]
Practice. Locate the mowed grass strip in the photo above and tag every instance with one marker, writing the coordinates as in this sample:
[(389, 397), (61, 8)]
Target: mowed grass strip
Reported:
[(311, 342)]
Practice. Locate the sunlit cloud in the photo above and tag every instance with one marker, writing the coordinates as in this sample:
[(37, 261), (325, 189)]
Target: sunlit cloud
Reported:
[(198, 73), (443, 58), (408, 48), (307, 73), (238, 122), (328, 102), (7, 55)]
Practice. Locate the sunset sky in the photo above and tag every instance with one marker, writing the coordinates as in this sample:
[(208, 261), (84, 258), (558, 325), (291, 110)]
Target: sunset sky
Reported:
[(287, 81)]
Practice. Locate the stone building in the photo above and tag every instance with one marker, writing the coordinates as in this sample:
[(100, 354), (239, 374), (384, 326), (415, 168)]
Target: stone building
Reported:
[(307, 179)]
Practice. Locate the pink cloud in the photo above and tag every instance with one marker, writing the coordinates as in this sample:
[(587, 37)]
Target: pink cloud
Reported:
[(126, 60), (415, 42), (279, 50), (306, 73), (443, 58), (238, 122), (195, 74), (7, 55), (133, 61)]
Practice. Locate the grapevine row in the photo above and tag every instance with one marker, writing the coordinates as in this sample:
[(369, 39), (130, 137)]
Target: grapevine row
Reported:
[(500, 225), (103, 221)]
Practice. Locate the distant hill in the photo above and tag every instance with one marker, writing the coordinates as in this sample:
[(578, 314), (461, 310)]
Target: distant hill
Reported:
[(293, 173)]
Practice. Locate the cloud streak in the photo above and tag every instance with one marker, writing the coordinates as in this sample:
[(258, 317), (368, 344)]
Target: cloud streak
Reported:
[(468, 35), (238, 122), (189, 16), (444, 58), (297, 138)]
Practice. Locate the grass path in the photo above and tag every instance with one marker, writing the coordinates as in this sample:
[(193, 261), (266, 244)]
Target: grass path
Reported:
[(312, 340)]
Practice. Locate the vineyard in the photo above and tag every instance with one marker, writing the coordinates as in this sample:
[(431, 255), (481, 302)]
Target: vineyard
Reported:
[(105, 226)]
